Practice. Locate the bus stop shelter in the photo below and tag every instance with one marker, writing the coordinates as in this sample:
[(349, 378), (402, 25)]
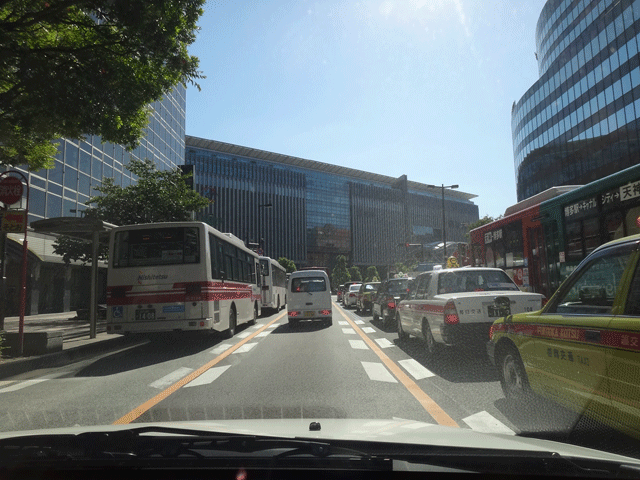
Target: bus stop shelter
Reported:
[(90, 230)]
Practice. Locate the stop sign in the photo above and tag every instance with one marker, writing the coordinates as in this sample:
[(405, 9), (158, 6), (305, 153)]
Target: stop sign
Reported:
[(10, 190)]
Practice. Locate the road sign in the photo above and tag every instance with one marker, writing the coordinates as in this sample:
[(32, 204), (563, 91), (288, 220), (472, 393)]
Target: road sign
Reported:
[(10, 190), (12, 221)]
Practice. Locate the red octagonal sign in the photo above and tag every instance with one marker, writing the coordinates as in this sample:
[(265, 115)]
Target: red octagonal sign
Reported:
[(10, 190)]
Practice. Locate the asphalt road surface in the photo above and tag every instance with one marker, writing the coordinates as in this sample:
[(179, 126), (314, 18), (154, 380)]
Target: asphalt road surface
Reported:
[(355, 368)]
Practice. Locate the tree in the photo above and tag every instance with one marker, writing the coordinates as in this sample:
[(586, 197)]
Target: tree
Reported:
[(340, 274), (158, 196), (372, 274), (288, 265), (70, 68), (356, 276)]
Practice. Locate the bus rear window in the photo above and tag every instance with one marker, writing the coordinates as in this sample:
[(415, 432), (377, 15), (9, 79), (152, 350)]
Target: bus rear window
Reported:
[(158, 246)]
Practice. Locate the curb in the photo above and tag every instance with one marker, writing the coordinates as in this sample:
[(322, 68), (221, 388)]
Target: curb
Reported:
[(18, 366)]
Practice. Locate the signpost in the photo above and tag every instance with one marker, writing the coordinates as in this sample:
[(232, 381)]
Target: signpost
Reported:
[(11, 190)]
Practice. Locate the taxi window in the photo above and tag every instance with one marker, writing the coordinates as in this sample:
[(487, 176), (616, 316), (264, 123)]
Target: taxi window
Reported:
[(592, 289), (633, 301), (423, 287)]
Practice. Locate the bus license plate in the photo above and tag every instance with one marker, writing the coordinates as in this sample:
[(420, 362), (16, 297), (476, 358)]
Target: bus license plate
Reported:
[(145, 314), (308, 314)]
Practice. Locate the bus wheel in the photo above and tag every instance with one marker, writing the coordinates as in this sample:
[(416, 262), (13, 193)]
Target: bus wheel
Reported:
[(231, 331), (255, 314)]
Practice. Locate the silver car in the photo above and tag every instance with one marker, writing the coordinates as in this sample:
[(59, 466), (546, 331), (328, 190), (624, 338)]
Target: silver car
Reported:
[(351, 295)]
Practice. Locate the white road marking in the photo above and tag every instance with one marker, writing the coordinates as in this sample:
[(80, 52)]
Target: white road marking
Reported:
[(358, 344), (21, 385), (369, 330), (343, 322), (223, 347), (244, 334), (348, 331), (384, 343), (245, 348), (358, 322), (416, 369), (486, 423), (263, 334), (274, 325), (378, 372), (207, 377), (170, 379)]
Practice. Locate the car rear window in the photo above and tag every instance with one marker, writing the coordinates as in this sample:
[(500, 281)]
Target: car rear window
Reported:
[(308, 284)]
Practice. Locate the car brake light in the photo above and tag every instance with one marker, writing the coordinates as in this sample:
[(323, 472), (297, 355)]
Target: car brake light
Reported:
[(294, 314), (451, 313), (391, 304), (492, 330), (325, 312)]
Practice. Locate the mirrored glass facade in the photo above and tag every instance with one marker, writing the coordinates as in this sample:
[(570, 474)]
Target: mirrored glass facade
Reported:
[(82, 164), (579, 121), (311, 212)]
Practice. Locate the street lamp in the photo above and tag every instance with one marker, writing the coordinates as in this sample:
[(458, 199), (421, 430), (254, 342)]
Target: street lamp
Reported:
[(444, 228)]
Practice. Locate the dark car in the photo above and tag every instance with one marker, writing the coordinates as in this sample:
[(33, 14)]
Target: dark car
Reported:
[(389, 294)]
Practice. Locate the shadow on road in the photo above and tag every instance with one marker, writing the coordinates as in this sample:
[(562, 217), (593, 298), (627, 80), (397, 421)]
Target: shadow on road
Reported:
[(544, 419), (160, 348), (387, 327), (454, 364), (303, 326)]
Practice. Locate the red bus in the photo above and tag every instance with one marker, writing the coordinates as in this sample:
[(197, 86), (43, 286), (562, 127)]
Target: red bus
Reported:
[(515, 242)]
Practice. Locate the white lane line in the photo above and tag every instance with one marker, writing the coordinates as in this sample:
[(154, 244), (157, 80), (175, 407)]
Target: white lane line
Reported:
[(487, 423), (4, 383), (274, 325), (170, 379), (21, 385), (369, 330), (245, 334), (207, 377), (358, 344), (385, 343), (358, 322), (245, 348), (415, 369), (378, 372), (342, 322), (349, 331), (263, 334), (223, 347)]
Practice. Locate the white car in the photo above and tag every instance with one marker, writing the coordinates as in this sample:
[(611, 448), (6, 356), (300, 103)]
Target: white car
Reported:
[(351, 295)]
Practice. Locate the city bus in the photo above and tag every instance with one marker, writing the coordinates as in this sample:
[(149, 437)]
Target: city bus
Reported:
[(180, 277), (274, 284)]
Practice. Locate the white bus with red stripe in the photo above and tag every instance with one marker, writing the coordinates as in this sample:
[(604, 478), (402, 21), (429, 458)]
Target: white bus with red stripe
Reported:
[(274, 284), (178, 277)]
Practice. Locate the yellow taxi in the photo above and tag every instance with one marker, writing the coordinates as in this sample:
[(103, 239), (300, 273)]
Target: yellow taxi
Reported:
[(582, 350)]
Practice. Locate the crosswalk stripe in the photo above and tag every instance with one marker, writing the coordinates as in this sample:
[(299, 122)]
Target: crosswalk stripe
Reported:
[(384, 342), (378, 372), (223, 347), (342, 322), (21, 385), (171, 378), (369, 330), (207, 377), (415, 369), (487, 423), (359, 322), (263, 334), (245, 348), (348, 331), (244, 334), (358, 344), (274, 325)]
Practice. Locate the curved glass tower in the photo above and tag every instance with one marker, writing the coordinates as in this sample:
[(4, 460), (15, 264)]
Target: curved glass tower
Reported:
[(579, 121)]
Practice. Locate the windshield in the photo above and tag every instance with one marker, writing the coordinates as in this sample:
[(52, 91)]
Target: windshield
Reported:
[(428, 173)]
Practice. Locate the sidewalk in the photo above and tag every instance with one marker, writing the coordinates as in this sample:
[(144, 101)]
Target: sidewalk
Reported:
[(75, 341)]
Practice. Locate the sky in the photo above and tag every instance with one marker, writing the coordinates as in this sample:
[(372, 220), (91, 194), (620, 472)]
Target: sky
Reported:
[(416, 87)]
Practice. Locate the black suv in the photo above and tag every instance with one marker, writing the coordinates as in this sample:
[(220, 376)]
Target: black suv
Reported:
[(389, 294)]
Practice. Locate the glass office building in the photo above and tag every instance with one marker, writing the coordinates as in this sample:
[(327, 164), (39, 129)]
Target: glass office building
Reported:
[(579, 121), (311, 212), (62, 192)]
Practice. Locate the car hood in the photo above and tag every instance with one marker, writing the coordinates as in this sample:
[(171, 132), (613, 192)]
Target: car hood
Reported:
[(397, 431)]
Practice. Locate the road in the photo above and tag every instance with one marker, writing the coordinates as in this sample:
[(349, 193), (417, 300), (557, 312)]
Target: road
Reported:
[(355, 368)]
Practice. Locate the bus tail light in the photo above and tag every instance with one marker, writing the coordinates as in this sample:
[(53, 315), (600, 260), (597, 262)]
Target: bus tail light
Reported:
[(451, 313)]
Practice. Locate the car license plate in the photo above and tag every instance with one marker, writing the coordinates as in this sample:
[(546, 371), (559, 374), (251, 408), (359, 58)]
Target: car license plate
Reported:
[(308, 314), (498, 312), (145, 314)]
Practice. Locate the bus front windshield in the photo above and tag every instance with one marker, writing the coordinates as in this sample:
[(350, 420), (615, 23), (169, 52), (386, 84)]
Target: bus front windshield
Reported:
[(158, 246)]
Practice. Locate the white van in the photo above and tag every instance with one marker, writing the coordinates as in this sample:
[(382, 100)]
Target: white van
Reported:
[(309, 296)]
